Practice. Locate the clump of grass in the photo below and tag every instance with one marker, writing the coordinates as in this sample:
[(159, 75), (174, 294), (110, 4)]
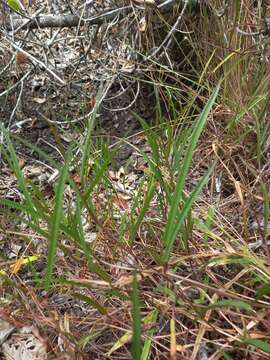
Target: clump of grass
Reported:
[(181, 261)]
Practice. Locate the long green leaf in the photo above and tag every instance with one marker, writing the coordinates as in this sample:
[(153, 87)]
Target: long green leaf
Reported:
[(262, 345), (124, 339), (90, 302), (171, 237), (14, 5), (182, 174), (148, 197), (263, 290), (149, 319), (86, 150), (239, 304), (55, 222), (153, 165), (14, 164), (136, 317)]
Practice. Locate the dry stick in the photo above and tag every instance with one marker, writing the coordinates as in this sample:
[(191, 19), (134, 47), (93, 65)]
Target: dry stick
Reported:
[(60, 21), (8, 65), (71, 20), (15, 85), (24, 23), (36, 61), (18, 102), (170, 33), (130, 104)]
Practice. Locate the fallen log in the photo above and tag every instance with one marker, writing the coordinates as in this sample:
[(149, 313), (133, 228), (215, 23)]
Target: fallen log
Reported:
[(71, 20)]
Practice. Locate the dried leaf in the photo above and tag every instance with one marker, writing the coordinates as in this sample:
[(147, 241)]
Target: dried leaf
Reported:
[(24, 345), (126, 280), (21, 58), (5, 330), (151, 3), (39, 100), (15, 268), (143, 25), (238, 189), (77, 179), (92, 102), (21, 163)]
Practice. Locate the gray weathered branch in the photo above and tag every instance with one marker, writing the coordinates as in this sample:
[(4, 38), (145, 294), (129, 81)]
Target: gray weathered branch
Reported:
[(60, 21)]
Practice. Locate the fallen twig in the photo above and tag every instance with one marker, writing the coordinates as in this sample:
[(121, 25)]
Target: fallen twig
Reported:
[(71, 20)]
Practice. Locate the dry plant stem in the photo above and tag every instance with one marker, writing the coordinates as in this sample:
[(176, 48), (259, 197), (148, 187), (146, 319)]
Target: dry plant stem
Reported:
[(35, 60), (17, 104), (222, 291), (50, 145), (166, 42), (130, 104), (241, 32), (208, 314), (8, 65), (15, 85), (24, 24)]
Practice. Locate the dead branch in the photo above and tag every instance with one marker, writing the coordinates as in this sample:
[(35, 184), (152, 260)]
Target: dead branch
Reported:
[(70, 20)]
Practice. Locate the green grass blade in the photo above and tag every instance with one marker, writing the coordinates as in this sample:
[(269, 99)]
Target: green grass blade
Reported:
[(209, 222), (149, 319), (136, 317), (183, 171), (14, 164), (55, 222), (124, 339), (86, 150), (263, 290), (148, 197), (38, 150), (266, 209), (78, 223), (225, 356), (239, 304), (90, 302), (99, 175), (259, 344), (153, 163), (170, 239)]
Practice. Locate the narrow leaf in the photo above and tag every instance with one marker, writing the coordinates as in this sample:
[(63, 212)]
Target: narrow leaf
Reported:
[(120, 342), (55, 223), (136, 317), (14, 5), (172, 235), (90, 302), (262, 345), (150, 318), (263, 290), (168, 239), (239, 304)]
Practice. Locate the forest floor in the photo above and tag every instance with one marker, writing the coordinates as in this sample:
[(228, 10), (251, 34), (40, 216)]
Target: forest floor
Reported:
[(134, 229)]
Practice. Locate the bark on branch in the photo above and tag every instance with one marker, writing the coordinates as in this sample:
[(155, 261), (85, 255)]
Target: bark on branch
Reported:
[(55, 21), (60, 21)]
